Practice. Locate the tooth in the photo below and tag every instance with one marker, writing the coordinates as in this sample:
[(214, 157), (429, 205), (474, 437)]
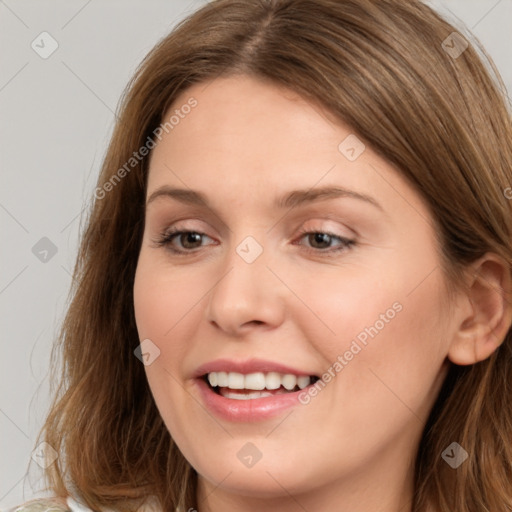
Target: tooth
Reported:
[(303, 381), (212, 379), (289, 381), (246, 396), (222, 379), (235, 380), (255, 381), (273, 380)]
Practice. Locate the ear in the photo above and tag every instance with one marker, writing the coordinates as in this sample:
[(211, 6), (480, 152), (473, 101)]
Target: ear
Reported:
[(484, 328)]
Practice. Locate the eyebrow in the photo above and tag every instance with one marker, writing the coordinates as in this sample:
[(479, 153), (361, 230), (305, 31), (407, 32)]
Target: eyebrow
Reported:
[(291, 200)]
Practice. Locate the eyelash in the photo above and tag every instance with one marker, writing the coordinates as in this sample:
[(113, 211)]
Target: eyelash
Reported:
[(167, 237)]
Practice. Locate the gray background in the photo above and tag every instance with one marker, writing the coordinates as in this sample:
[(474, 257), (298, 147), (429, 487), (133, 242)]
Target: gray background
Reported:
[(56, 118)]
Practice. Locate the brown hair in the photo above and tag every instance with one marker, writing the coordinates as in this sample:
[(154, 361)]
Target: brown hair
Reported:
[(382, 68)]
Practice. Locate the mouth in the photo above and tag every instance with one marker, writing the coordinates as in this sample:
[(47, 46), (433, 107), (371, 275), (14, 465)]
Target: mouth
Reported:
[(251, 390), (257, 385)]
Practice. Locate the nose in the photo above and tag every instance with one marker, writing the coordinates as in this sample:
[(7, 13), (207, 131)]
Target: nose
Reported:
[(247, 295)]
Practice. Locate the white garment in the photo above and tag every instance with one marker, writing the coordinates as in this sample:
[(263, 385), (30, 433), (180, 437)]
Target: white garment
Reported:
[(149, 505), (75, 506)]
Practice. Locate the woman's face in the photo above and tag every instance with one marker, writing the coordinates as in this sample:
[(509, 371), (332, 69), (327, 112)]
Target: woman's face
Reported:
[(263, 290)]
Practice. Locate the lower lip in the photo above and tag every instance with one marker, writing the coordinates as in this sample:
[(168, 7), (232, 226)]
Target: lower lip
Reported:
[(255, 409)]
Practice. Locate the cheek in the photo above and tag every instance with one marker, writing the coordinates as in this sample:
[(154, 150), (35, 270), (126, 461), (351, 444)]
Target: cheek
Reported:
[(344, 304), (382, 366), (168, 308), (392, 348), (162, 298), (163, 309), (382, 332), (163, 306)]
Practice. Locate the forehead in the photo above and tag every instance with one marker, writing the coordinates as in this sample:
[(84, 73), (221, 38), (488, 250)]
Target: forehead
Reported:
[(246, 137), (243, 126), (242, 112)]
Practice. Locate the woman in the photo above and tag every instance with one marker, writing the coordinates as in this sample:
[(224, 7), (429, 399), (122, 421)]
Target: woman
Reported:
[(293, 292)]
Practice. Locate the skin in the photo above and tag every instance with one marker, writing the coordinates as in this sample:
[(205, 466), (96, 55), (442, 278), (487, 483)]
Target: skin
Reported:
[(352, 447)]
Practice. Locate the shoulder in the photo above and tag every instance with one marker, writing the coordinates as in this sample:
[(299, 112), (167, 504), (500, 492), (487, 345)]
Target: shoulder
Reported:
[(43, 505), (71, 504)]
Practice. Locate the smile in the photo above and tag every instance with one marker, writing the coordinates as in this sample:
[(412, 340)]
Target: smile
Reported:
[(250, 390)]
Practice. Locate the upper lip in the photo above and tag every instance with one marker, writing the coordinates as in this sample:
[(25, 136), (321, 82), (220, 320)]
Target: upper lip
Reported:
[(247, 366)]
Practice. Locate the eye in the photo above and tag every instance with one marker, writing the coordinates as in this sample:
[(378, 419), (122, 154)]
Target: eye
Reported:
[(188, 240), (321, 241)]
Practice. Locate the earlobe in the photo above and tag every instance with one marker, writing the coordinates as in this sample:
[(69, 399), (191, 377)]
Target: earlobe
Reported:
[(485, 326)]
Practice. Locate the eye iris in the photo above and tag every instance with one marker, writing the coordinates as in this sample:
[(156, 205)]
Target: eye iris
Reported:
[(190, 237), (320, 238)]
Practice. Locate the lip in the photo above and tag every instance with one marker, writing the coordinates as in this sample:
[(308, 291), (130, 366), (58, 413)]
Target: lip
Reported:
[(257, 409)]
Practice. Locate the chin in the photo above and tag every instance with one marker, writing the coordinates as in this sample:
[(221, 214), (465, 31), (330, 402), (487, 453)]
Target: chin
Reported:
[(260, 481)]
